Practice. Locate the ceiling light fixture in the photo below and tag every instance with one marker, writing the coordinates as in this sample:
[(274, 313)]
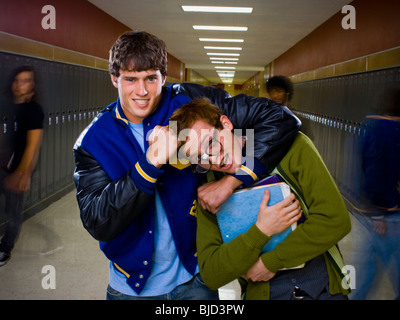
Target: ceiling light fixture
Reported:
[(221, 40), (230, 68), (220, 28), (227, 59), (217, 9), (223, 48), (224, 54), (225, 73)]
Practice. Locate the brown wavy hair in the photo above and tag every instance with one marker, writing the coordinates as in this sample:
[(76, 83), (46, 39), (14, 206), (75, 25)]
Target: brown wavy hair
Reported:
[(138, 51), (198, 109)]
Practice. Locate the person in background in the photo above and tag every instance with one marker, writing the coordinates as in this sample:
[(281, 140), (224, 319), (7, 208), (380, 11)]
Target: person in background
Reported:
[(376, 200), (213, 146), (138, 203), (281, 90), (23, 158)]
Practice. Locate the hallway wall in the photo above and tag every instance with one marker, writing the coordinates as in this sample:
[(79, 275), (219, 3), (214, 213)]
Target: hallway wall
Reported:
[(377, 29)]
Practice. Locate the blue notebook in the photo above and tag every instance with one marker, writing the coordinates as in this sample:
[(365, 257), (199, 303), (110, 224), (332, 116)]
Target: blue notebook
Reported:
[(240, 211)]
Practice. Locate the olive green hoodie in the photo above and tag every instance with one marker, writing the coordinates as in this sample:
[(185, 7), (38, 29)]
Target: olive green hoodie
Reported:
[(327, 221)]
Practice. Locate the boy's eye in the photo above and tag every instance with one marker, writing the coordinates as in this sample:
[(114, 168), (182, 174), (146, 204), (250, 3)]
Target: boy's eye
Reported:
[(214, 147)]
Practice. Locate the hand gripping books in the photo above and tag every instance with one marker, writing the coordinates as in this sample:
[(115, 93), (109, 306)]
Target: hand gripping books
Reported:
[(240, 211)]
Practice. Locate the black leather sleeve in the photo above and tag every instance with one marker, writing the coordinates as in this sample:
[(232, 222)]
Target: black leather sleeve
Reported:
[(275, 126), (107, 207)]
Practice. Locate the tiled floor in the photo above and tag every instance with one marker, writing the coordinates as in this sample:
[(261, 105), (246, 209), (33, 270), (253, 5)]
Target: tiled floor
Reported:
[(56, 238)]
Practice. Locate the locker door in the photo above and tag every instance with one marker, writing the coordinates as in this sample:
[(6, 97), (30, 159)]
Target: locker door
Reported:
[(34, 191), (48, 139)]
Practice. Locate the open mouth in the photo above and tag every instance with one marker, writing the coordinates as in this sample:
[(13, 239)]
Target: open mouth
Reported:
[(226, 162)]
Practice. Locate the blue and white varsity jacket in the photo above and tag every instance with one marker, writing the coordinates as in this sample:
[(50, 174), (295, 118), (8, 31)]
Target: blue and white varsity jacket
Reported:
[(115, 183)]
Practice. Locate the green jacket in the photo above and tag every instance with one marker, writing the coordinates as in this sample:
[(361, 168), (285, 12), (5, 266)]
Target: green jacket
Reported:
[(327, 222)]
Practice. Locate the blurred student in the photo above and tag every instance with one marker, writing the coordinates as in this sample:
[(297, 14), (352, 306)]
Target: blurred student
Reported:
[(377, 206), (25, 152)]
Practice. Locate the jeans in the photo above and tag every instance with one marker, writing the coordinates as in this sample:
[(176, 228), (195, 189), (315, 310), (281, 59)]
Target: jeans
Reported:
[(370, 250), (194, 289), (13, 212)]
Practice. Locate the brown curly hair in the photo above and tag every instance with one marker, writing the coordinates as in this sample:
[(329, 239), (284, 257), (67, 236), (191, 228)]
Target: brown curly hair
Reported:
[(138, 51), (198, 109)]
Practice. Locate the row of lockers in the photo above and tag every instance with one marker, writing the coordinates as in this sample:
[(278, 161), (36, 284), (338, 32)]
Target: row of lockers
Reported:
[(348, 97), (71, 96), (339, 142), (336, 140), (332, 111)]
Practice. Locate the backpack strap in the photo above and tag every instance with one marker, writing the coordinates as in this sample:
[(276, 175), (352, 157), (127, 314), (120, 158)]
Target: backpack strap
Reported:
[(334, 254)]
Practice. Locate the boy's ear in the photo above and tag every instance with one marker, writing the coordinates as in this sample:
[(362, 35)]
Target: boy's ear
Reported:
[(226, 123), (114, 81)]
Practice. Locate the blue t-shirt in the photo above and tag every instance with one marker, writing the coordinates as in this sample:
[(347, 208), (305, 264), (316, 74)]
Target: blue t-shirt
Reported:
[(168, 271)]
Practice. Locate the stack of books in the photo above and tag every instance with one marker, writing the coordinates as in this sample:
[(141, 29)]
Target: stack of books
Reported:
[(240, 211)]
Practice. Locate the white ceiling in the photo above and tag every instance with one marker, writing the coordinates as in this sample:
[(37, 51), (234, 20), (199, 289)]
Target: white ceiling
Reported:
[(273, 27)]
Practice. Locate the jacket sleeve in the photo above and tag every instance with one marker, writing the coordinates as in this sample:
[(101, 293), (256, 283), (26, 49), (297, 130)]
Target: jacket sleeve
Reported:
[(107, 207), (328, 220), (274, 126), (221, 263)]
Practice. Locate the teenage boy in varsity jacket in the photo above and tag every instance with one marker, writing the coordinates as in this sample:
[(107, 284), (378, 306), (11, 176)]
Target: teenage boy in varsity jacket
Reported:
[(139, 206)]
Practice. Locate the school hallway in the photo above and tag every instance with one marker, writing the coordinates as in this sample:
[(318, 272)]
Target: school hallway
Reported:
[(55, 237), (335, 58)]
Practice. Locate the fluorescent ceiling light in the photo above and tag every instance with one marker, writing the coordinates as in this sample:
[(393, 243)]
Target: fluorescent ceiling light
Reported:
[(226, 75), (220, 28), (221, 40), (226, 59), (224, 62), (224, 54), (225, 71), (230, 68), (217, 9), (223, 48)]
